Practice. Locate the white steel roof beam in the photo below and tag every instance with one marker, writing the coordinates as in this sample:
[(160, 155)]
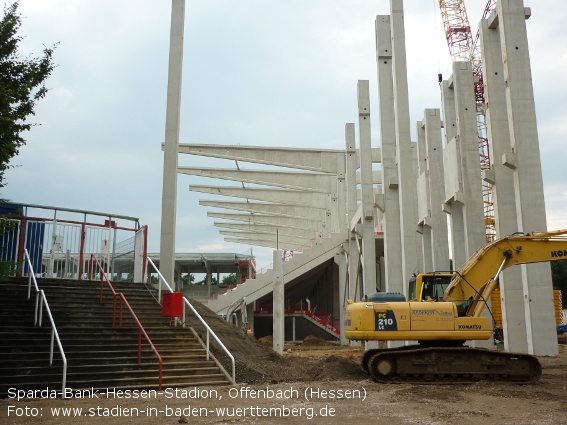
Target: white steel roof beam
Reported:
[(269, 220), (323, 160), (267, 237), (317, 182), (268, 229), (298, 211), (267, 244), (283, 196)]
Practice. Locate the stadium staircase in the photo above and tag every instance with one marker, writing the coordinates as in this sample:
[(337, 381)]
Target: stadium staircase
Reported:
[(99, 355)]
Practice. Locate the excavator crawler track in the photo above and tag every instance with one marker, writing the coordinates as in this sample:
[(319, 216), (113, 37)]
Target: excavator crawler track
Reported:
[(449, 365)]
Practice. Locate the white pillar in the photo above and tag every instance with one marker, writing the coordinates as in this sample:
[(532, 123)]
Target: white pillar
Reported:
[(467, 146), (169, 191), (436, 189), (502, 179), (352, 206), (526, 163), (278, 317), (453, 207), (367, 189), (407, 191), (392, 230)]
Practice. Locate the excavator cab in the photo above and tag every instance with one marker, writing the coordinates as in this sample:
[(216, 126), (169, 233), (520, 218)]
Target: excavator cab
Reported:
[(428, 286)]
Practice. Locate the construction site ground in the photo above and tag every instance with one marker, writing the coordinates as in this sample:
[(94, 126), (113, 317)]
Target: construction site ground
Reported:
[(319, 383)]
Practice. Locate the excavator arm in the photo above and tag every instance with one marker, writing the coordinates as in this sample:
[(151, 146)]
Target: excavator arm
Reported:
[(476, 280)]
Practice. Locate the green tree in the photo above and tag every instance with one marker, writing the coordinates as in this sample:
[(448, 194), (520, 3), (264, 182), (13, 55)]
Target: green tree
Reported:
[(22, 84), (229, 279)]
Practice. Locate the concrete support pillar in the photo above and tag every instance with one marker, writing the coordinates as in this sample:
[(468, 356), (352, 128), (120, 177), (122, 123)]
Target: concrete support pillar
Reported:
[(279, 304), (436, 189), (407, 190), (453, 207), (467, 145), (367, 189), (418, 236), (340, 259), (526, 162), (293, 328), (250, 314), (503, 190), (209, 278), (462, 169), (390, 182), (352, 206), (169, 191), (341, 192)]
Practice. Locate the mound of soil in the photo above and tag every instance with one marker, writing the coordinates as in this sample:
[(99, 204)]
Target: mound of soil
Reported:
[(312, 340), (258, 364)]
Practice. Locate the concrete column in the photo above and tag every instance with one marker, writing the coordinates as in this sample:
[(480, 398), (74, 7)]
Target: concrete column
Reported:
[(418, 236), (471, 183), (172, 118), (467, 144), (436, 189), (352, 206), (341, 192), (392, 230), (279, 304), (340, 259), (407, 190), (502, 180), (250, 314), (423, 200), (367, 189), (526, 163), (453, 207), (209, 277)]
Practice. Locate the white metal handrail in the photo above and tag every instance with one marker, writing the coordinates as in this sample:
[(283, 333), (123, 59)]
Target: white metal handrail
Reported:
[(40, 300), (209, 330)]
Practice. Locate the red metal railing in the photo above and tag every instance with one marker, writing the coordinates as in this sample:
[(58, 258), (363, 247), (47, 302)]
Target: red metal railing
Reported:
[(141, 330), (318, 316)]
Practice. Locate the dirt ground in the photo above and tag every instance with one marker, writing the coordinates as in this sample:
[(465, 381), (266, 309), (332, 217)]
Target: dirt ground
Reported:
[(320, 384)]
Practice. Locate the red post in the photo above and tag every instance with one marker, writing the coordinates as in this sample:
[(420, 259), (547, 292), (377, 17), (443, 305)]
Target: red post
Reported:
[(120, 310), (101, 282), (145, 261), (91, 268), (114, 311), (139, 344), (160, 373)]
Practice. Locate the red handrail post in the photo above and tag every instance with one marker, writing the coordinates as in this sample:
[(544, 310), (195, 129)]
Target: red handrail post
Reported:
[(114, 311), (101, 282), (91, 268), (120, 314), (160, 375), (139, 344)]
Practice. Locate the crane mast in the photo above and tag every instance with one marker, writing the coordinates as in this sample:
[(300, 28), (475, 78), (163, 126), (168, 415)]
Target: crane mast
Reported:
[(462, 46)]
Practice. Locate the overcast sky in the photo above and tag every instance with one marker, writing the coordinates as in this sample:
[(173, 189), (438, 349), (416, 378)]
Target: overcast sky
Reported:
[(256, 72)]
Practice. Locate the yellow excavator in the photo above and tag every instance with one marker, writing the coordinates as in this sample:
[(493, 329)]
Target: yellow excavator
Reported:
[(446, 316)]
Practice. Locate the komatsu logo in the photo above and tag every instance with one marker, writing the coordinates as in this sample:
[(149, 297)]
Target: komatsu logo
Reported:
[(559, 253), (471, 327)]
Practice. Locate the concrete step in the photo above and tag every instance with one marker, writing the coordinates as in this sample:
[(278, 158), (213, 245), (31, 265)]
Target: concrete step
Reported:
[(98, 354)]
